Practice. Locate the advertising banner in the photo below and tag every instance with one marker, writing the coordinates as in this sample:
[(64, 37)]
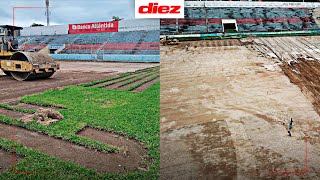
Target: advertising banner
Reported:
[(97, 27)]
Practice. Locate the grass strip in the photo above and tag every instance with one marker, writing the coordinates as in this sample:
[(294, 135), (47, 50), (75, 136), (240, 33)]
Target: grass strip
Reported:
[(111, 83), (106, 80), (19, 109), (121, 76), (135, 79), (140, 84)]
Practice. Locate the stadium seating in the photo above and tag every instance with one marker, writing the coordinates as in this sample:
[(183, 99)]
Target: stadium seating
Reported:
[(209, 19), (133, 42)]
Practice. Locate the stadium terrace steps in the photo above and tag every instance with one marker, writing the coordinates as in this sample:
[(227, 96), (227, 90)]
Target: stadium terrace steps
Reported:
[(204, 20), (133, 42)]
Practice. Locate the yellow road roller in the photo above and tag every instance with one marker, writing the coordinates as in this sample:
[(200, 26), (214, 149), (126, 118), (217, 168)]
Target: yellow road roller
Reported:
[(20, 65)]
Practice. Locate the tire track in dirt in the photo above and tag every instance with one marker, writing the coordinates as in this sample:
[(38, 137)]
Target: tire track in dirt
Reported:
[(89, 158)]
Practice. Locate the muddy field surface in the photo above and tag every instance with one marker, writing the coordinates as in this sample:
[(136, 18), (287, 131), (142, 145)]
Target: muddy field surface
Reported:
[(71, 73), (226, 109), (306, 75)]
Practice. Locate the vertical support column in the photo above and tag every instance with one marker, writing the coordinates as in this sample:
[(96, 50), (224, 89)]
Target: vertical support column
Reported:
[(177, 25), (206, 16)]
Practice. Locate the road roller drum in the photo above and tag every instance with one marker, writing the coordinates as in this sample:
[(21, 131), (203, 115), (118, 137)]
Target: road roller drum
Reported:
[(29, 66)]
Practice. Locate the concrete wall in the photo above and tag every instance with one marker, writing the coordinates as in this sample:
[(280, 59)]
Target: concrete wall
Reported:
[(132, 58), (139, 25), (116, 58), (76, 57), (45, 30)]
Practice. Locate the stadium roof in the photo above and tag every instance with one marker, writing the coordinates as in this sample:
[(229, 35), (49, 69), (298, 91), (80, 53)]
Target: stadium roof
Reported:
[(10, 27)]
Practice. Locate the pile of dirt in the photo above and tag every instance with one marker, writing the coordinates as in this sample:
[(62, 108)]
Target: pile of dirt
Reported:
[(44, 116)]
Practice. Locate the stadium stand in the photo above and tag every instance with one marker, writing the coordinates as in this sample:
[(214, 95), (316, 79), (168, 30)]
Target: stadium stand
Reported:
[(249, 19), (133, 42)]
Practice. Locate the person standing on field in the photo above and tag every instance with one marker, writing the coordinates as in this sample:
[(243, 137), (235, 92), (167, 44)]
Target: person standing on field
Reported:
[(290, 125)]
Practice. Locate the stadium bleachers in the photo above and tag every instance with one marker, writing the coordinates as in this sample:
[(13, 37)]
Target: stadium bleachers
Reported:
[(209, 19), (132, 42)]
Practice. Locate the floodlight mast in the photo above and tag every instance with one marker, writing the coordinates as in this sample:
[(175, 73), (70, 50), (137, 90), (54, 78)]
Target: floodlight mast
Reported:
[(47, 12)]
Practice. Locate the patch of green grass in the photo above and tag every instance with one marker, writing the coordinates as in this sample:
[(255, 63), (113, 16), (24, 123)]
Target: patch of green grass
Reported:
[(19, 109), (135, 115), (121, 76), (140, 84)]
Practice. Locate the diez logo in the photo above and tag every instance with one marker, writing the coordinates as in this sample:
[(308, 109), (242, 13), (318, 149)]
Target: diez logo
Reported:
[(159, 9), (153, 8)]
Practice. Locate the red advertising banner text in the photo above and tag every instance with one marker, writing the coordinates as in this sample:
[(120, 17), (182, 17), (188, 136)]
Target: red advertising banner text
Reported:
[(97, 27)]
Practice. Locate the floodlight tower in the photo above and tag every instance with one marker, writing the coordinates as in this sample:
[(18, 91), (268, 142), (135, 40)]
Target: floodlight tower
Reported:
[(47, 12)]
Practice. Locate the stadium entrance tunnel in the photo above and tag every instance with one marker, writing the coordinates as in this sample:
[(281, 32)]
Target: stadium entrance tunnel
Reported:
[(229, 25)]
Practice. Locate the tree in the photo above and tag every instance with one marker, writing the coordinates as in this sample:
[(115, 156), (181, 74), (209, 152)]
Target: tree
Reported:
[(35, 25), (117, 18)]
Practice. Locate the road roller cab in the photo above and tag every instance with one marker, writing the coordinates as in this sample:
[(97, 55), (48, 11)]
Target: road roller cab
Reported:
[(23, 65)]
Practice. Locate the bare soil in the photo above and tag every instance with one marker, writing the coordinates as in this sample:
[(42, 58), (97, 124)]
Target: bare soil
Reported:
[(7, 160), (224, 114), (12, 114), (210, 43), (130, 148), (101, 162), (306, 75)]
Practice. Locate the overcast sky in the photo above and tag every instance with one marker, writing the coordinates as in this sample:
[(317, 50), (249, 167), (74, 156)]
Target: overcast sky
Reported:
[(65, 11)]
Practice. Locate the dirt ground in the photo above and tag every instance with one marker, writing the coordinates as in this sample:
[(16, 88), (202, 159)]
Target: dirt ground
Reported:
[(6, 160), (225, 112), (71, 73)]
